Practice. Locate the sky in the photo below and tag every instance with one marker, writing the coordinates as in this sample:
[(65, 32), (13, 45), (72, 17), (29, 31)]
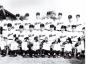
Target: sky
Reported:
[(65, 6)]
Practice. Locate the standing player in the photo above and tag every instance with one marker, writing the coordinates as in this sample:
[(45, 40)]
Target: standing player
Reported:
[(17, 16), (31, 33), (79, 48), (9, 33), (59, 22), (38, 15), (22, 32), (26, 16), (42, 32), (79, 23), (69, 24)]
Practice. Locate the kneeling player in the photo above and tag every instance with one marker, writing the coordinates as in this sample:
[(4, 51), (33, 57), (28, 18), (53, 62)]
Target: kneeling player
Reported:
[(68, 48), (24, 46), (46, 48), (13, 48), (36, 47), (56, 48), (79, 48), (3, 46)]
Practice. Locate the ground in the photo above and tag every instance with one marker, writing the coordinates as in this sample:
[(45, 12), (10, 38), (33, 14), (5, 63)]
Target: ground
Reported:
[(20, 60)]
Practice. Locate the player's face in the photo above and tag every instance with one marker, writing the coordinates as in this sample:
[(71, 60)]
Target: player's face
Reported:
[(70, 20), (63, 29), (42, 28), (51, 29), (17, 18), (9, 28), (21, 29), (59, 16), (37, 16), (31, 28), (77, 17)]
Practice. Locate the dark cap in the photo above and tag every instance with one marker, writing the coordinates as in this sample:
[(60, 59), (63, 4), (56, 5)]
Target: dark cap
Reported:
[(21, 27), (42, 25), (17, 15), (59, 13), (37, 13), (27, 14), (26, 38), (52, 26), (69, 16), (50, 12), (9, 25), (31, 26), (78, 15)]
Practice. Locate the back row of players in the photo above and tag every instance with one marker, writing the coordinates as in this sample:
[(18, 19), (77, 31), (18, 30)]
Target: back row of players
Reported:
[(44, 37)]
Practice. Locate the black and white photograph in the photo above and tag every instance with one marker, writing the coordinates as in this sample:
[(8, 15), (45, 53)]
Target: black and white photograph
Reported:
[(42, 31)]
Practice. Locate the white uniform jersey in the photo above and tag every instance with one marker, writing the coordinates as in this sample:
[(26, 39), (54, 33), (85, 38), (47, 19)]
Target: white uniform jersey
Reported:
[(37, 26), (22, 35), (69, 34), (14, 45), (46, 46), (58, 24), (24, 45), (2, 23), (44, 21), (26, 25), (31, 35), (36, 46), (80, 24), (43, 34), (36, 21), (47, 26), (81, 47), (27, 20), (47, 21), (57, 47), (2, 45), (68, 47), (9, 35), (63, 36), (69, 26), (16, 24), (53, 35)]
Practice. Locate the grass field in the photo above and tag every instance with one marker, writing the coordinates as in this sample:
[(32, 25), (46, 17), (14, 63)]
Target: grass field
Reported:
[(20, 60)]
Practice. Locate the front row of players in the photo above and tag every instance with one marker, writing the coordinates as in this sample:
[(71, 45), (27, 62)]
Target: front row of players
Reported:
[(42, 48)]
